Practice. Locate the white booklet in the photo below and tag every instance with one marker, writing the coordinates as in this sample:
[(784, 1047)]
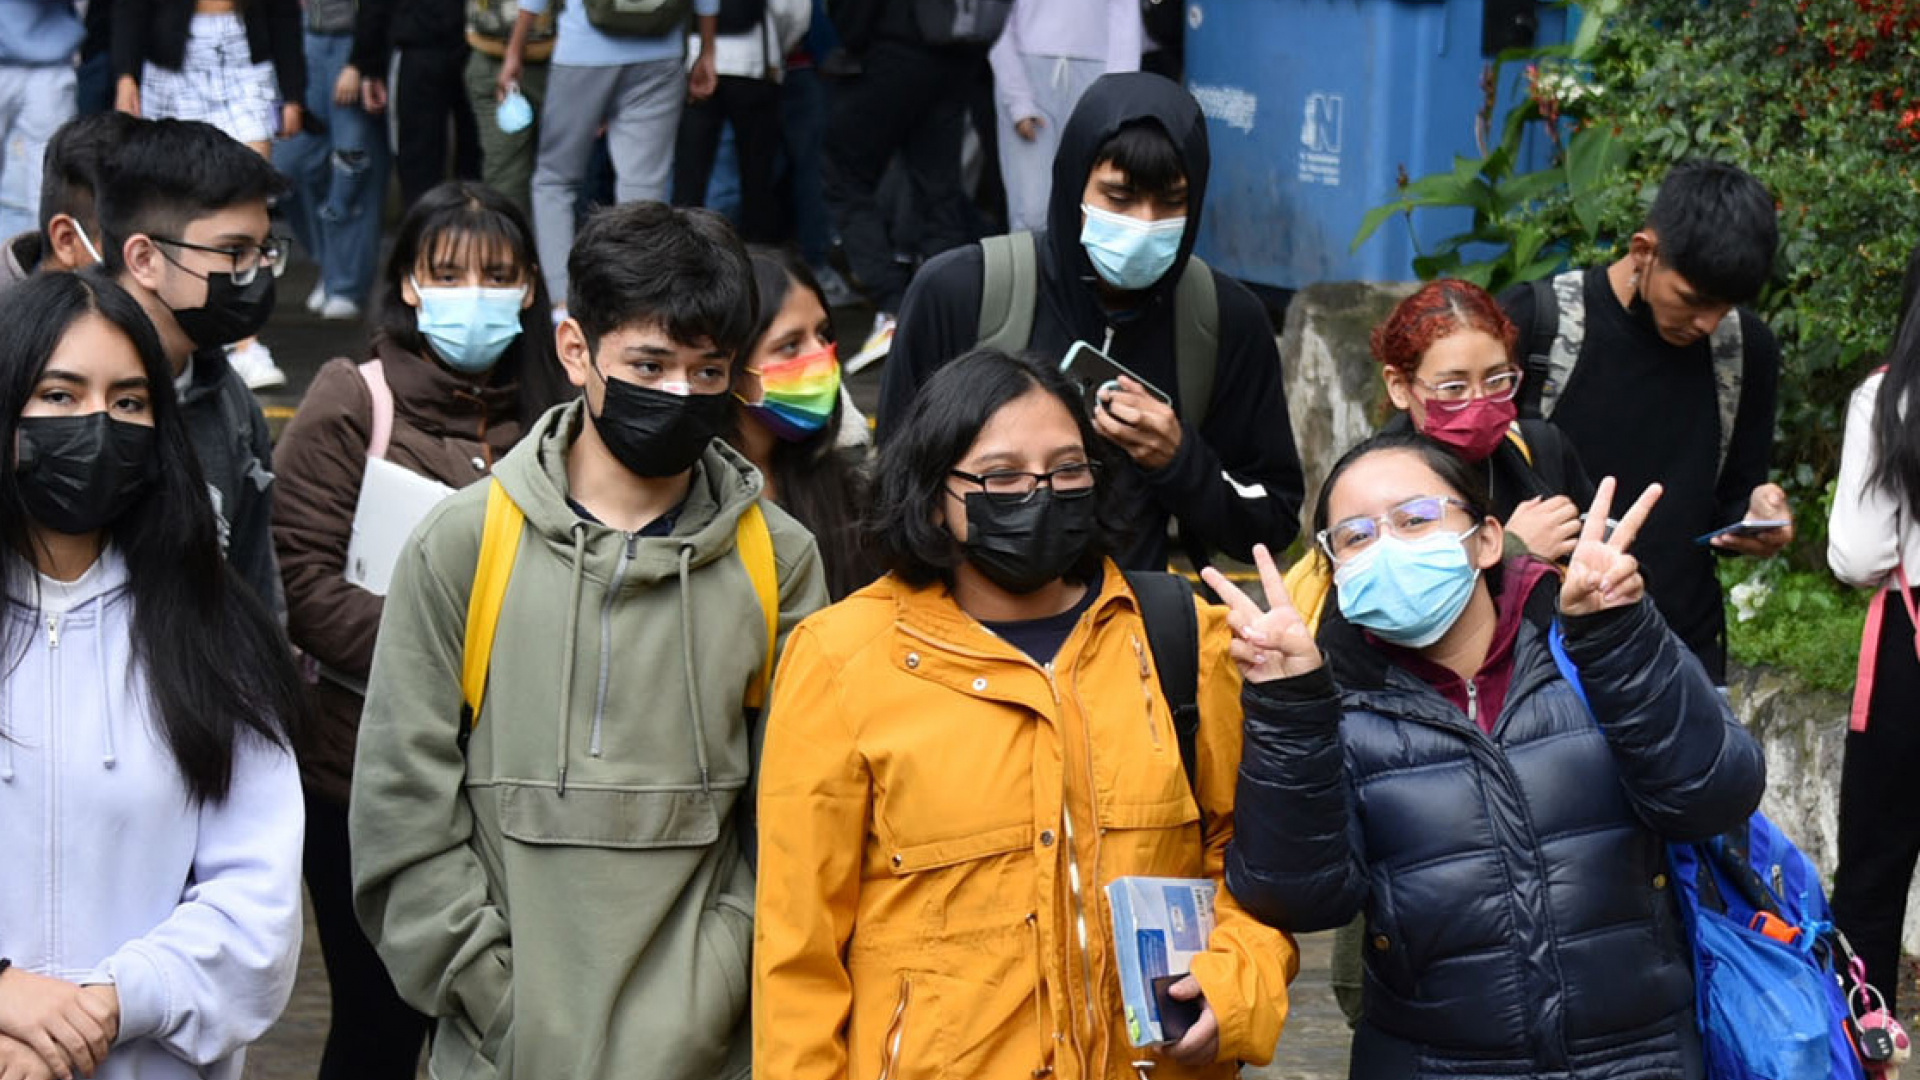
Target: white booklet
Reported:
[(1159, 926), (393, 501)]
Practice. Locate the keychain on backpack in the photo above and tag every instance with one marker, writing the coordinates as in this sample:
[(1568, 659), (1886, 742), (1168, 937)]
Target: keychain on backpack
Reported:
[(1882, 1043)]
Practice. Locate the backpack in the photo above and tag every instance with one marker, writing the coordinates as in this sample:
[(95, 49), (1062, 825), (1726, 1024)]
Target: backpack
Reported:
[(1560, 329), (1173, 636), (741, 16), (638, 18), (960, 22), (1010, 287), (500, 543), (1769, 965)]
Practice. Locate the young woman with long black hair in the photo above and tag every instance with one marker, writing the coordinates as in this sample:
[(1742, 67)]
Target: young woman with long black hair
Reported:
[(462, 364), (1873, 540), (151, 902), (797, 426)]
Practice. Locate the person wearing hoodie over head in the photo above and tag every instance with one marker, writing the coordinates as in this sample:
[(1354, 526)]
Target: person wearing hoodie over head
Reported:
[(150, 912), (572, 892), (1133, 160)]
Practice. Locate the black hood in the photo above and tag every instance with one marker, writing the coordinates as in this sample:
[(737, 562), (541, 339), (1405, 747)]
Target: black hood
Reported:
[(1112, 102)]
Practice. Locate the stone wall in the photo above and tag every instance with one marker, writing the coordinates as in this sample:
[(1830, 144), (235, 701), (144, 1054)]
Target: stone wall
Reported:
[(1333, 396)]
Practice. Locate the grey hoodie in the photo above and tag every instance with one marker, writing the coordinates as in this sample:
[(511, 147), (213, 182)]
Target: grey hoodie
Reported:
[(571, 892)]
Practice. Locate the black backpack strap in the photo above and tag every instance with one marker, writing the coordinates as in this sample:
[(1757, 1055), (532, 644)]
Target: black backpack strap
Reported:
[(1173, 633), (1546, 327)]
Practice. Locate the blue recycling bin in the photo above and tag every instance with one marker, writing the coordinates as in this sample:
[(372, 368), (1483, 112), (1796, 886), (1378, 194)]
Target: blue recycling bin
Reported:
[(1314, 106)]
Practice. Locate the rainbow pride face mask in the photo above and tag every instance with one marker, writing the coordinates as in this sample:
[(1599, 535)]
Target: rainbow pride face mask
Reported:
[(797, 396)]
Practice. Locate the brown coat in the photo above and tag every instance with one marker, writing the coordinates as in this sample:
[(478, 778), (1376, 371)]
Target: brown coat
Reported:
[(444, 427)]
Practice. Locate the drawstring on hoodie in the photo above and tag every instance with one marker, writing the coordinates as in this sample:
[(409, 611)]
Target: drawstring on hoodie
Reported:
[(6, 732), (693, 681), (579, 534), (1062, 73), (107, 759)]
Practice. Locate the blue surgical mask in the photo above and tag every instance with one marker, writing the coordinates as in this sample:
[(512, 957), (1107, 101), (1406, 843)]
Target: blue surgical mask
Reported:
[(515, 112), (1409, 592), (1129, 253), (469, 326)]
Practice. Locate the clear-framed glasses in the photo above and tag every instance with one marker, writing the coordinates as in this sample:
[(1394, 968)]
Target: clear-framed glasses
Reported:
[(248, 259), (1410, 520), (1069, 481), (1456, 394)]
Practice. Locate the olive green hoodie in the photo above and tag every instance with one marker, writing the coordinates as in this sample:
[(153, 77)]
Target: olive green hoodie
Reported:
[(570, 893)]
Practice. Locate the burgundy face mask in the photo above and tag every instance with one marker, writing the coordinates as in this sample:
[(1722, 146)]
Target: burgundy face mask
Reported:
[(1473, 432)]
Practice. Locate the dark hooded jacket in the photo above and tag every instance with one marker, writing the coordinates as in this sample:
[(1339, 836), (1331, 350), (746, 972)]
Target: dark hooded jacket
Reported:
[(1519, 919), (1235, 481), (230, 438)]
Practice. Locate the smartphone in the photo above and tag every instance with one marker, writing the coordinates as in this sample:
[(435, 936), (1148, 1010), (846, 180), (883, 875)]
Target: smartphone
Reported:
[(1094, 372), (1176, 1016), (1743, 528)]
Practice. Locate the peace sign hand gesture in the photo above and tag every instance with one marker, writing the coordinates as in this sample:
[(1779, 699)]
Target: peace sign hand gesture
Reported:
[(1600, 574), (1272, 644)]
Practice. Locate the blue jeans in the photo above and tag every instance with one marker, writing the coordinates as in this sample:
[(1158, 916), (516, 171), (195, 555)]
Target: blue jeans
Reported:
[(339, 178)]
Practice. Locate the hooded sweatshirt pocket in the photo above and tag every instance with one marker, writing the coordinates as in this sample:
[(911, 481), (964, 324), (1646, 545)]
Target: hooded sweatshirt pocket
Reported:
[(627, 818)]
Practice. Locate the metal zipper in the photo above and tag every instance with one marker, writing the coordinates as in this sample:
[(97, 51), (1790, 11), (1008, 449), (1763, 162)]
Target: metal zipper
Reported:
[(53, 631), (1473, 703), (896, 1029), (606, 638)]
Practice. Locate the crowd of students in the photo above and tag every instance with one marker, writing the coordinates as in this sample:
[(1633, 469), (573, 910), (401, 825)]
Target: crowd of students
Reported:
[(686, 736)]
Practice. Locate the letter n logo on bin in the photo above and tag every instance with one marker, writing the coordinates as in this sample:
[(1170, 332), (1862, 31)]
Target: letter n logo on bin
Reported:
[(1320, 128)]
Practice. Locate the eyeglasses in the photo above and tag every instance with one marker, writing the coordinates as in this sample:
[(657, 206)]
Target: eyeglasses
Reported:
[(1456, 394), (248, 259), (1011, 486), (1410, 520)]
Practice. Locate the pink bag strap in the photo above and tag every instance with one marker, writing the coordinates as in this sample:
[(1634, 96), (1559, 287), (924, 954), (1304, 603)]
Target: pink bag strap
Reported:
[(1870, 644), (375, 377)]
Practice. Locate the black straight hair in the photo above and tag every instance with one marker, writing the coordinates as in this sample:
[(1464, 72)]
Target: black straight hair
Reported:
[(940, 426), (650, 264), (71, 169), (215, 664), (818, 483), (464, 216), (1716, 226), (1462, 478), (1896, 427), (1146, 153), (167, 174)]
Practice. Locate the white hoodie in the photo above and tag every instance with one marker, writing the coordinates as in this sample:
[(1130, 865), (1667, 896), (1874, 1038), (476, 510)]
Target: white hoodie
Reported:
[(1867, 533), (112, 874)]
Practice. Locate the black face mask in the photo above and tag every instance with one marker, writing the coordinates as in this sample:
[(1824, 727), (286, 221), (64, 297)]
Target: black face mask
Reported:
[(1023, 546), (78, 473), (654, 433), (232, 312)]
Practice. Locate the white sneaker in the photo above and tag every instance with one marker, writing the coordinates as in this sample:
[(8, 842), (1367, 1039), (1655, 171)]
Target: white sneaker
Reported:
[(879, 343), (254, 363), (317, 299), (339, 307)]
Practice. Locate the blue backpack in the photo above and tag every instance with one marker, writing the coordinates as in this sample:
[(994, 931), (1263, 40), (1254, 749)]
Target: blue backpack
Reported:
[(1768, 962)]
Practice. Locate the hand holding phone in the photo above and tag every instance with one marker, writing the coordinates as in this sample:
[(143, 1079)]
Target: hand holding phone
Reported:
[(1743, 529), (1098, 375)]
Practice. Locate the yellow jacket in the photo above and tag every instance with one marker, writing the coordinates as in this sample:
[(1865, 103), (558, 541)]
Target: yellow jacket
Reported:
[(923, 784)]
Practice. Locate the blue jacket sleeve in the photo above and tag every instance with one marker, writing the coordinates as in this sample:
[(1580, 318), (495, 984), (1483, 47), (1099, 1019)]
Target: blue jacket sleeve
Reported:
[(1293, 862), (1691, 771)]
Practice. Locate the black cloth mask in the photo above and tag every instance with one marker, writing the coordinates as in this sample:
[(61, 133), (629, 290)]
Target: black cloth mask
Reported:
[(78, 473), (1023, 546), (232, 312), (654, 433)]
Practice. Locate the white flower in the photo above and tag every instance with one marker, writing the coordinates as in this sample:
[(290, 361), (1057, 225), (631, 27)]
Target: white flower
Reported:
[(1749, 598)]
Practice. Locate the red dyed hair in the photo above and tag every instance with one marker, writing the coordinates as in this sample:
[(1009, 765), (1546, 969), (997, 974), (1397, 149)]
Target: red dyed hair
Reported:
[(1443, 307)]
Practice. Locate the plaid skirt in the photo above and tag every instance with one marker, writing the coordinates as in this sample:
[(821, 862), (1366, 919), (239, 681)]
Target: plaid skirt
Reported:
[(218, 82)]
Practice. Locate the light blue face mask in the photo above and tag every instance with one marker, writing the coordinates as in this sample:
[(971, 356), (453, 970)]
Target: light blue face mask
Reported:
[(469, 326), (1409, 592), (1129, 253), (515, 112)]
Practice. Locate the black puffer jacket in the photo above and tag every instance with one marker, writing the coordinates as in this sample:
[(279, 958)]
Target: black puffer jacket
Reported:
[(1519, 921)]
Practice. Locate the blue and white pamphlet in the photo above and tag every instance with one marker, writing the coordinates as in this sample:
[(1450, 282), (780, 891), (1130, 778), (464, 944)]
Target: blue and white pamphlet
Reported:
[(1159, 926)]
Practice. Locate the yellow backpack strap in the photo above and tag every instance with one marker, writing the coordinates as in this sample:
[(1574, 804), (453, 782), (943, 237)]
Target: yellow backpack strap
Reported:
[(1519, 441), (755, 545), (499, 543)]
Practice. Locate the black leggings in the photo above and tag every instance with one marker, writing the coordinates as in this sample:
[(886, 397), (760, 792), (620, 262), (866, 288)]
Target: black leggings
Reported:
[(1879, 820), (373, 1035)]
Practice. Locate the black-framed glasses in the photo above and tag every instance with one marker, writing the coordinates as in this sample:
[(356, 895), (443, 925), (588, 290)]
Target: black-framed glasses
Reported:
[(1456, 394), (1409, 520), (1069, 481), (248, 259)]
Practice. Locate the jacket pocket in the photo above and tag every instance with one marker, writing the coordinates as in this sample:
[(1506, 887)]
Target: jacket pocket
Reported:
[(1385, 943), (934, 855), (623, 818)]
